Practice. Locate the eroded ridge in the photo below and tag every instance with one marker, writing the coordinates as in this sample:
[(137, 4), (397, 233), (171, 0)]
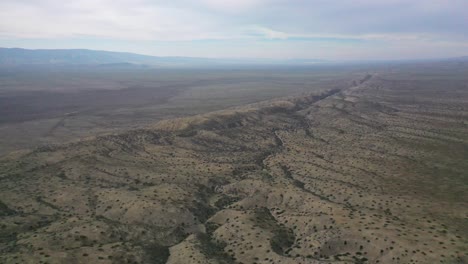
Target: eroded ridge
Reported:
[(368, 174)]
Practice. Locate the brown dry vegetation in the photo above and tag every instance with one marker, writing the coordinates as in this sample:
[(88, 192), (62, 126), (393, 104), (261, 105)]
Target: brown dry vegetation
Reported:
[(373, 173), (62, 105)]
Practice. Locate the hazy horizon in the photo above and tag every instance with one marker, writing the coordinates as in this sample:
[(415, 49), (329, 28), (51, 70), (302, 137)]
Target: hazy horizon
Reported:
[(255, 29)]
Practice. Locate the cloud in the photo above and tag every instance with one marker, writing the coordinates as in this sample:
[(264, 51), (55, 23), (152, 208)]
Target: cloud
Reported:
[(104, 18), (382, 22), (233, 6), (264, 32), (190, 19)]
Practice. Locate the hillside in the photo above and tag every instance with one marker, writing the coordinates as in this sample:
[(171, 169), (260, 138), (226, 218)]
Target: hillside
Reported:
[(371, 173), (18, 56)]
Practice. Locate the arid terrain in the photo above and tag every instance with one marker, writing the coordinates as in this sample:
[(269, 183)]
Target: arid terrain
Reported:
[(47, 105), (372, 168)]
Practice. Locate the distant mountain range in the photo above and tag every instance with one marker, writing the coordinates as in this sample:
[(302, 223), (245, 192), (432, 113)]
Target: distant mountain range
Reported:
[(18, 56), (110, 59)]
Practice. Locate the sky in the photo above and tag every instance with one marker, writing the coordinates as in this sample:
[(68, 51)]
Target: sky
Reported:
[(278, 29)]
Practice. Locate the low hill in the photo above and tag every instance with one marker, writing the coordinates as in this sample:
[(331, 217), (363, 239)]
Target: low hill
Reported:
[(17, 56)]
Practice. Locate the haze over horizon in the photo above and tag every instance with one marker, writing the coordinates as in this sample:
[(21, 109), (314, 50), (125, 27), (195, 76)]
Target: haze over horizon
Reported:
[(279, 29)]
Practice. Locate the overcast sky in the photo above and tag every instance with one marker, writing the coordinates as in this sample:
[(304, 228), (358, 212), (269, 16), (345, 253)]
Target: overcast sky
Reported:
[(322, 29)]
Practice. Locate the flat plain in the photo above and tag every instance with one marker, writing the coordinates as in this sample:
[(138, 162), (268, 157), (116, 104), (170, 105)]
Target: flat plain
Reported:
[(59, 104), (371, 168)]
